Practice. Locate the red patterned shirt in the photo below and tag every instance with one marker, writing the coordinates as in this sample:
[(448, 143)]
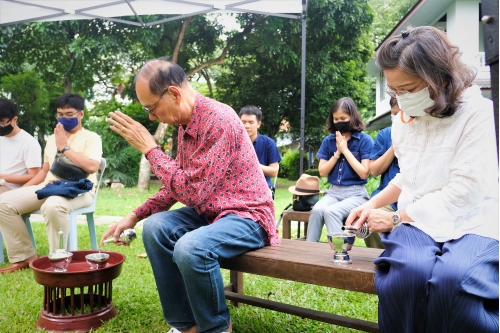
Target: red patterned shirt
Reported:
[(216, 171)]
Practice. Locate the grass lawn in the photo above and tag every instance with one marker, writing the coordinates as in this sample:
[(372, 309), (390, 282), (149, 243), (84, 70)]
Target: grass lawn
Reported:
[(136, 299)]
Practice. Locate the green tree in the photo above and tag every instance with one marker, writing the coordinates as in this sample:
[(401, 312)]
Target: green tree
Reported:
[(265, 68), (32, 99), (74, 54), (387, 14)]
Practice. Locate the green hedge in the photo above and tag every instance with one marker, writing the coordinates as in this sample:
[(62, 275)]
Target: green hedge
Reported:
[(312, 172), (290, 164)]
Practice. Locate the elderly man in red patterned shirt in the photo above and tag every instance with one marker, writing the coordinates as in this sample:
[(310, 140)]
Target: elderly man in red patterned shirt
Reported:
[(216, 175)]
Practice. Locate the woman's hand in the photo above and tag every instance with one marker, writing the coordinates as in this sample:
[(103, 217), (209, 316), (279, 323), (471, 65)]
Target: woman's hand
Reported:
[(132, 131), (378, 220), (341, 143), (355, 214)]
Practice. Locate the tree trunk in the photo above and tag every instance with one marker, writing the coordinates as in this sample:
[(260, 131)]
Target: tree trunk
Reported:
[(175, 137), (67, 83), (273, 130), (145, 167), (206, 75), (144, 172)]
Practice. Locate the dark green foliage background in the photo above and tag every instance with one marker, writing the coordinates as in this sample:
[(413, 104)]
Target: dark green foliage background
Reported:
[(122, 160), (264, 69)]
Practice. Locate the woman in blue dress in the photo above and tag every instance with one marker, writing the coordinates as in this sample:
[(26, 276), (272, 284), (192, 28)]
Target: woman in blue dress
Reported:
[(344, 157)]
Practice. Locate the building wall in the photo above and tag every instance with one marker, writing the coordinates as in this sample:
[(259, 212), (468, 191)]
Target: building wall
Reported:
[(462, 25), (464, 29)]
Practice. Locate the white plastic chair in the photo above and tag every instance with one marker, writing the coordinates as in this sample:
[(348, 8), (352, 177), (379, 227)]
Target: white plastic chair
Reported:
[(73, 236)]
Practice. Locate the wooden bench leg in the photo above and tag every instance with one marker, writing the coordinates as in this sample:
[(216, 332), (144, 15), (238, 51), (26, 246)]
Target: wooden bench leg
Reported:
[(235, 284), (286, 227), (301, 224)]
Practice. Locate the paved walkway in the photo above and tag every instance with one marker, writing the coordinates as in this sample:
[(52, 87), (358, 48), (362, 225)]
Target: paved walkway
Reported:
[(82, 219)]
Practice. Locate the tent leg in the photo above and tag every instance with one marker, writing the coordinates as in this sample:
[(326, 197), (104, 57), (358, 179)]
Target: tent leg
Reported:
[(303, 87)]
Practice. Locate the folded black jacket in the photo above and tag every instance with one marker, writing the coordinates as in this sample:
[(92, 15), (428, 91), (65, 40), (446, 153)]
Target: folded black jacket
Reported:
[(65, 188)]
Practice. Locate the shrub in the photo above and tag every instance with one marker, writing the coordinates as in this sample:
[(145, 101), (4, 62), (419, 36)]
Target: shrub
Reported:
[(290, 164), (312, 172), (372, 185), (122, 159), (123, 165)]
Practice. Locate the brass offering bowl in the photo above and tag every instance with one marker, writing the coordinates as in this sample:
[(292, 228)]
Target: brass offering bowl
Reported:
[(60, 260), (97, 260)]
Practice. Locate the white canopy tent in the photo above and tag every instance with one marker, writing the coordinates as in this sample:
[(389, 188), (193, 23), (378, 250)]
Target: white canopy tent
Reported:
[(19, 11)]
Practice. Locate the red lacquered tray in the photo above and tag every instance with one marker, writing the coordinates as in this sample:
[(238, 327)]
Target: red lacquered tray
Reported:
[(78, 273)]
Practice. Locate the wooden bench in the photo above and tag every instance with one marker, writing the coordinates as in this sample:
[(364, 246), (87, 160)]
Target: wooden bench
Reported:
[(305, 262), (290, 215)]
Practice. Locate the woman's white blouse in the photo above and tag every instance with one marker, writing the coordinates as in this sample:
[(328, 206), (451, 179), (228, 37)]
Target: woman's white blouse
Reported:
[(448, 170)]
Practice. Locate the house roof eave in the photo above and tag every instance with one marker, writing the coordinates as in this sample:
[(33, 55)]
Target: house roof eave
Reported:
[(402, 21)]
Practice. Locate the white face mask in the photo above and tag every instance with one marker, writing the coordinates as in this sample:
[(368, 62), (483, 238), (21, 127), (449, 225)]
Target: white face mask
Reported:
[(414, 104)]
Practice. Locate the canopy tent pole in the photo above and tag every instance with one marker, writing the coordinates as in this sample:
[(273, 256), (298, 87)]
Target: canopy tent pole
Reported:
[(303, 87)]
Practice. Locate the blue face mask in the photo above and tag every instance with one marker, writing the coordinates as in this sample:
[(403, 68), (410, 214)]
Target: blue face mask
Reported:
[(68, 123)]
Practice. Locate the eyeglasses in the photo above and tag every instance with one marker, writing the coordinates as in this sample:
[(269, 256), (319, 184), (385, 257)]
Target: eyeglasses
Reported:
[(67, 115), (151, 109), (394, 93), (6, 124)]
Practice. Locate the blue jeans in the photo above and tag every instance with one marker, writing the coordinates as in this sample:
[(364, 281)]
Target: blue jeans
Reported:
[(185, 251)]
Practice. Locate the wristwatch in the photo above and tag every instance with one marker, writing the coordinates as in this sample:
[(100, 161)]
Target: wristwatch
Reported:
[(64, 149), (396, 220)]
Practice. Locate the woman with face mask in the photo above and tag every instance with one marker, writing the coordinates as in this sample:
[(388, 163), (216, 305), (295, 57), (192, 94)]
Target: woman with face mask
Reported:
[(344, 157), (439, 270)]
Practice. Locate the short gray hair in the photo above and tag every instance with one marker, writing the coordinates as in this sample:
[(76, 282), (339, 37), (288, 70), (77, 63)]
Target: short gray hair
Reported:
[(162, 73)]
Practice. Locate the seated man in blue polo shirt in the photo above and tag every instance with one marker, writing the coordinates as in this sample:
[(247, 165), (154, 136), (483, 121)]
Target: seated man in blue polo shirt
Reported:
[(384, 163), (265, 147)]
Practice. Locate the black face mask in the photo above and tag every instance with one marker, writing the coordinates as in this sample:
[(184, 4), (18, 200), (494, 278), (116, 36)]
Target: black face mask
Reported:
[(6, 130), (342, 126)]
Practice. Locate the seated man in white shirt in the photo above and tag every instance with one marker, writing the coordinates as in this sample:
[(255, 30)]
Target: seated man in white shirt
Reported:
[(20, 153)]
